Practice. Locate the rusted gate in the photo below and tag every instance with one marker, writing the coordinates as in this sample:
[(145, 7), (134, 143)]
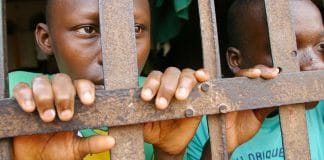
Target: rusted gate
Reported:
[(211, 98)]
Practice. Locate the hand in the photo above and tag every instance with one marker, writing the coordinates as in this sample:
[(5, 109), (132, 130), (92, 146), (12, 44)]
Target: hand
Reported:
[(171, 136), (242, 126), (51, 96), (63, 145), (258, 71), (48, 96)]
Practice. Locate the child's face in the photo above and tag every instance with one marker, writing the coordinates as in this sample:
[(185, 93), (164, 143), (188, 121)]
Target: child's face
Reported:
[(310, 35), (309, 31), (74, 37)]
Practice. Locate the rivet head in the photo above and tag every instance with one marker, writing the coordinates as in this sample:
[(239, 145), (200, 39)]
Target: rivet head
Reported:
[(189, 112), (223, 108), (204, 87), (294, 53)]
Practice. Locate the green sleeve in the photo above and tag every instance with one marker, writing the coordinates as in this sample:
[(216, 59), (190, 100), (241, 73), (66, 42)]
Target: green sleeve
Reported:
[(20, 76)]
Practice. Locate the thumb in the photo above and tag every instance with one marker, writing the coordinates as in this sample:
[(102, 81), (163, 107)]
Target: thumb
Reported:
[(261, 114), (95, 144)]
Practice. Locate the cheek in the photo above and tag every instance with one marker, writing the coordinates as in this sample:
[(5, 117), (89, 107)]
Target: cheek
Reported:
[(78, 59), (143, 49)]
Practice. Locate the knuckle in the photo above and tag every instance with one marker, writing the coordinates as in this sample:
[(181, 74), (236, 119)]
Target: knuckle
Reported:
[(40, 78), (157, 73), (23, 91), (172, 69), (63, 97), (189, 79), (154, 82), (62, 104), (21, 87), (188, 70), (168, 90), (44, 98), (60, 75)]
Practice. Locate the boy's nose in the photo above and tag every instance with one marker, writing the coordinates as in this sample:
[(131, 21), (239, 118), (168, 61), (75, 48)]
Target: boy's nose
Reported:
[(100, 59), (309, 60)]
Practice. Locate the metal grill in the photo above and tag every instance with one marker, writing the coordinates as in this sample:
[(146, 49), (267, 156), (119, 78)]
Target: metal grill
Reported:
[(211, 98)]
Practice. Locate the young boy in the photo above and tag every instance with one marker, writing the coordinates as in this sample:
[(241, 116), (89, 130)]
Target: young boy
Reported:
[(249, 47), (72, 35)]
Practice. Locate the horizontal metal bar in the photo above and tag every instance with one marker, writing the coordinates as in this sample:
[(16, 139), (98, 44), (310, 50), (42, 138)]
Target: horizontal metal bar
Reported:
[(124, 107)]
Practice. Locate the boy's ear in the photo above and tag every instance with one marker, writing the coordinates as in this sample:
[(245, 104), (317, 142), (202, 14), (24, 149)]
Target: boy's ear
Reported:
[(234, 59), (43, 38)]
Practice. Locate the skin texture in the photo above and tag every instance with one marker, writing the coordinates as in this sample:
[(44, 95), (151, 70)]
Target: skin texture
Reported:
[(73, 36), (254, 59)]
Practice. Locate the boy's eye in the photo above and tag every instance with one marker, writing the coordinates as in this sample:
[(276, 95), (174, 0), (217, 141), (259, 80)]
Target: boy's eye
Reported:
[(320, 47), (139, 28), (86, 30)]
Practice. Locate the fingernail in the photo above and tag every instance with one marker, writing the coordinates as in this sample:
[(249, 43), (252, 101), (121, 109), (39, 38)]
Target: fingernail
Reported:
[(147, 93), (257, 71), (66, 115), (110, 141), (87, 97), (29, 106), (49, 115), (182, 93), (162, 103), (277, 70), (200, 73)]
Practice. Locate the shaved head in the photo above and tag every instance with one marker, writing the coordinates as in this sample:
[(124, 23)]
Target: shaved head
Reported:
[(246, 21), (248, 30)]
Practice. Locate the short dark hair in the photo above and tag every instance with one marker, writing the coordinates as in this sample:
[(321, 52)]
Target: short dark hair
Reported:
[(241, 15)]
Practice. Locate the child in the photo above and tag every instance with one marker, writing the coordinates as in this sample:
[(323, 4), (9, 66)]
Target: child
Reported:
[(72, 35), (249, 46)]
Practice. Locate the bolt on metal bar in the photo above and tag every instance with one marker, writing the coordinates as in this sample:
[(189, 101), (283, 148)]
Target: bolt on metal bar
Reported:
[(5, 144), (120, 70), (211, 59), (283, 43)]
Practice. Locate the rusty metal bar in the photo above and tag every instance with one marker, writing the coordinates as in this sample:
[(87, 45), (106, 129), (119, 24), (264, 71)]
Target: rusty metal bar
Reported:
[(283, 43), (3, 51), (120, 71), (211, 59), (5, 144), (115, 108)]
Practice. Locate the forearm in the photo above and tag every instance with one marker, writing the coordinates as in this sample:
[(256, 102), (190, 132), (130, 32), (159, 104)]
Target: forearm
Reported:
[(161, 155)]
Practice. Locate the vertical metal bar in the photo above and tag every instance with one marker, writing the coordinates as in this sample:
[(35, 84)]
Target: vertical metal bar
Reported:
[(120, 70), (283, 43), (212, 63), (5, 144)]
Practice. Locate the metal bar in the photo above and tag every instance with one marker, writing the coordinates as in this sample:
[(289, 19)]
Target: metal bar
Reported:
[(283, 43), (120, 70), (212, 64), (115, 108), (5, 144), (3, 51)]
